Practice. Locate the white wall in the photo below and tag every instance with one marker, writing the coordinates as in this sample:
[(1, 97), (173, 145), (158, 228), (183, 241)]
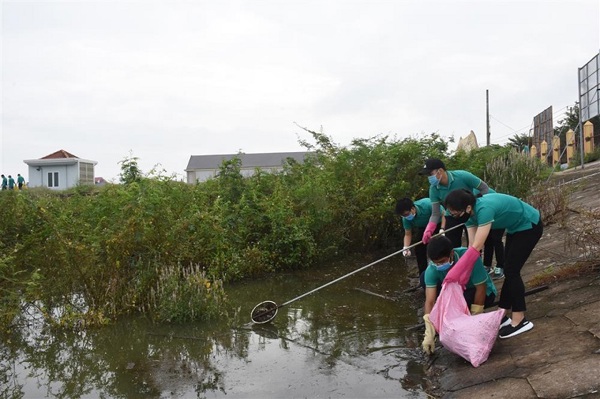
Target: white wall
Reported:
[(68, 176)]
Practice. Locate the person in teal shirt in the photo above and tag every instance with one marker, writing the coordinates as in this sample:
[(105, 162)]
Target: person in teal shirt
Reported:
[(442, 182), (4, 182), (20, 181), (11, 182), (524, 228), (479, 292), (415, 216)]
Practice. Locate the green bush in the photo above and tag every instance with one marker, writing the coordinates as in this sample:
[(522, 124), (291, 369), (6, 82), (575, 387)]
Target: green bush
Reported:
[(91, 255), (514, 173)]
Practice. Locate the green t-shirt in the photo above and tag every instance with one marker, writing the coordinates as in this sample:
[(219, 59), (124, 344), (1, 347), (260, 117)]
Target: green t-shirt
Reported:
[(433, 276), (423, 207), (504, 212), (457, 179)]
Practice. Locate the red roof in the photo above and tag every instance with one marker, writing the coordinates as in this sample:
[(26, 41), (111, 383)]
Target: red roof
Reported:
[(60, 154)]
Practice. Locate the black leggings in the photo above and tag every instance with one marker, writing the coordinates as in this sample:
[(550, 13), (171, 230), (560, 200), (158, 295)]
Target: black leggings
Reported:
[(492, 245), (518, 248), (455, 235), (421, 249)]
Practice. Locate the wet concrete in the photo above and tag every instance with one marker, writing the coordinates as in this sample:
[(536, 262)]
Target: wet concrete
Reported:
[(560, 356)]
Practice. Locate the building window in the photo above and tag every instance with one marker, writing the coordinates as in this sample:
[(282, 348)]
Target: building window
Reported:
[(86, 173), (53, 179)]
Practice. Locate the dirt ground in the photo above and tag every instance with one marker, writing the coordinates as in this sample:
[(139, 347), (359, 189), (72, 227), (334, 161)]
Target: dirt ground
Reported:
[(560, 356)]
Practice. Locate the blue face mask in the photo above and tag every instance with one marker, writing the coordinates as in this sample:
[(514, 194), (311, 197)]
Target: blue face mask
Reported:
[(433, 180), (444, 267), (409, 217)]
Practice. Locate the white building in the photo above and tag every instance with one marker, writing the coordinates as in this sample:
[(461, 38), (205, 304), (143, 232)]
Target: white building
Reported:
[(203, 167), (60, 170)]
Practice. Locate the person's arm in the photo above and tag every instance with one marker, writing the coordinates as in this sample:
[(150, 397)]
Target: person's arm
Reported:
[(407, 241), (480, 294), (433, 221), (481, 234), (483, 188), (478, 302), (407, 238), (435, 213), (430, 296), (471, 231)]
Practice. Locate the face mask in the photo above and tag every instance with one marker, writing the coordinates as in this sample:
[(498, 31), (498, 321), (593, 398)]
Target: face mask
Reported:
[(433, 180), (443, 267), (409, 217)]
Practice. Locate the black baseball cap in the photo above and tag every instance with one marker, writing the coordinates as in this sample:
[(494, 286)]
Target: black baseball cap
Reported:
[(432, 164)]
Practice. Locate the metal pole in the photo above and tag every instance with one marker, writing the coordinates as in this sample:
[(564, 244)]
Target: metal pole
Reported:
[(487, 116), (580, 123), (255, 316)]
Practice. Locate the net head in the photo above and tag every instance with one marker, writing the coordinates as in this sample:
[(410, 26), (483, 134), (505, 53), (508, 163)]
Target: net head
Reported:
[(264, 312)]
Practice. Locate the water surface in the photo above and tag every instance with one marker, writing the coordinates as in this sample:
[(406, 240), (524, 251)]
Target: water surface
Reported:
[(339, 342)]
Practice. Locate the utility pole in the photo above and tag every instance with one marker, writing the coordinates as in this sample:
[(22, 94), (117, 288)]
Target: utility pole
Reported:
[(487, 116)]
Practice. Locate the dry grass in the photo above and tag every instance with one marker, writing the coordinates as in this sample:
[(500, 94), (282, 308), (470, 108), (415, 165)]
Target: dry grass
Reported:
[(552, 201), (553, 275)]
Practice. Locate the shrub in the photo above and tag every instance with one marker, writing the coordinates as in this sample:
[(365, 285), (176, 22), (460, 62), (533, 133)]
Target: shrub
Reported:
[(514, 173)]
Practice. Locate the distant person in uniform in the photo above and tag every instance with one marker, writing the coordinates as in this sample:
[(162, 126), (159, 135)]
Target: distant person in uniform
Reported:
[(20, 181), (4, 182), (11, 182)]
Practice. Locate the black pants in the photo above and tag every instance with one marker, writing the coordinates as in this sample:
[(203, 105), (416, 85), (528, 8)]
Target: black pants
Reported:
[(494, 245), (421, 249), (518, 248), (455, 235)]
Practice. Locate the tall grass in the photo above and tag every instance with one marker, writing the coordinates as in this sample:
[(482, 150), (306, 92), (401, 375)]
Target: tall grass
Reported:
[(515, 174)]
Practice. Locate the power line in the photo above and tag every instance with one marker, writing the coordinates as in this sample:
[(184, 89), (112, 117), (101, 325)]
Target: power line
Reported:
[(556, 116)]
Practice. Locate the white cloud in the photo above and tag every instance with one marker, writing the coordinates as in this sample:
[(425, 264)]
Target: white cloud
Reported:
[(171, 79)]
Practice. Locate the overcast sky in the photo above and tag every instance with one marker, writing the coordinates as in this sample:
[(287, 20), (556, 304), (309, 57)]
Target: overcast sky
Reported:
[(170, 79)]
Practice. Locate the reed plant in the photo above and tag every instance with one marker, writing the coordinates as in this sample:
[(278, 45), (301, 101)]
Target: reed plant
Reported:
[(515, 173)]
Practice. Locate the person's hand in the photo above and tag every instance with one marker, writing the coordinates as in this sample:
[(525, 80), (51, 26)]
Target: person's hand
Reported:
[(428, 232), (476, 309), (441, 232), (429, 339), (406, 252)]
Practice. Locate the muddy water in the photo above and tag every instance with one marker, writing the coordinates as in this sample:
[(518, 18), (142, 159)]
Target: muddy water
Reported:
[(338, 342)]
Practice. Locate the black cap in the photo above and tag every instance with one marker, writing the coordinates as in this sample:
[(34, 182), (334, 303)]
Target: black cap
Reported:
[(432, 164)]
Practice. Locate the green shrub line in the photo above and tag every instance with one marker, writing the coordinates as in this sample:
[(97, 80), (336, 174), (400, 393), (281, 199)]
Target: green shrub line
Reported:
[(164, 248)]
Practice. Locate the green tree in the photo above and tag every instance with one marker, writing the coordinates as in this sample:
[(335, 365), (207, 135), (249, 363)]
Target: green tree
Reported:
[(130, 171), (518, 141)]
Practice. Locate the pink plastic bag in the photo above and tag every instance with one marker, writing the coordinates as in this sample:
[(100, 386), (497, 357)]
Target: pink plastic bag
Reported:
[(471, 337)]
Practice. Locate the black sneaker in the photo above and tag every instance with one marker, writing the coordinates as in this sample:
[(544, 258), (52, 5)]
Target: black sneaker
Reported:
[(505, 321), (510, 331)]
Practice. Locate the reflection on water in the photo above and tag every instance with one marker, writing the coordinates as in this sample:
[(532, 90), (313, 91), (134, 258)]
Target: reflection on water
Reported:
[(338, 342)]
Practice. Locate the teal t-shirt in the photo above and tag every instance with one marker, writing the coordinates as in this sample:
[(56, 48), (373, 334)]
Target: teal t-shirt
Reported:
[(504, 212), (433, 277), (457, 179), (423, 207)]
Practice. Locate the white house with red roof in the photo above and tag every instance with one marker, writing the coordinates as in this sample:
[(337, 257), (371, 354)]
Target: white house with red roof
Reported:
[(60, 170)]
